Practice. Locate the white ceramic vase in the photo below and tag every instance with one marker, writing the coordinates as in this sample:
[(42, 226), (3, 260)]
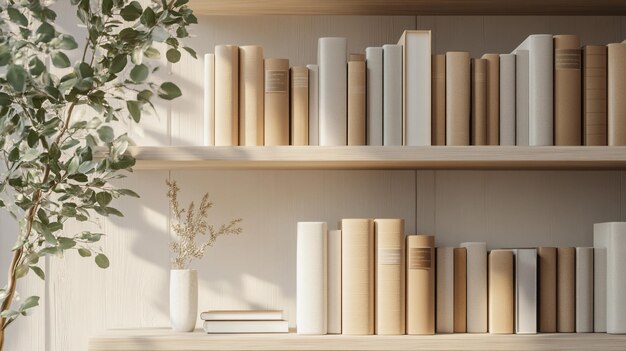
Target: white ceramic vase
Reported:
[(183, 299)]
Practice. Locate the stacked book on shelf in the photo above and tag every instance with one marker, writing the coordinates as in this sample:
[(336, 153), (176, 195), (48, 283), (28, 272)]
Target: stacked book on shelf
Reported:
[(244, 321)]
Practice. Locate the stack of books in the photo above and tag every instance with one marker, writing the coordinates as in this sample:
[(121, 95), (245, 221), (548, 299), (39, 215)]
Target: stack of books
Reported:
[(244, 321)]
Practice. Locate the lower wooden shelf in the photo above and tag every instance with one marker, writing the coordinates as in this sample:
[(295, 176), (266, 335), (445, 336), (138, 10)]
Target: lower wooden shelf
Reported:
[(166, 340)]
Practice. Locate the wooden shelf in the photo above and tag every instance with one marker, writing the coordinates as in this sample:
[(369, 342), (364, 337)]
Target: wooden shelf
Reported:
[(409, 7), (380, 157)]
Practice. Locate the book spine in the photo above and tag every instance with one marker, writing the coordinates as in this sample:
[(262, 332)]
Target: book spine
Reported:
[(420, 304), (445, 290), (594, 95), (356, 102), (299, 106), (390, 287), (438, 90), (311, 278), (460, 290), (616, 83), (501, 296), (334, 282), (476, 286), (313, 104), (479, 102), (333, 91), (547, 289), (392, 95), (226, 95), (541, 84), (584, 289), (566, 290), (567, 90), (251, 95), (493, 98), (416, 87), (209, 99), (374, 62), (525, 291), (457, 98), (600, 235), (522, 96), (507, 99), (615, 280), (276, 102)]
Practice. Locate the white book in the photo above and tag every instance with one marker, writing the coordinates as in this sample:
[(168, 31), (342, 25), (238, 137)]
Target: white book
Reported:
[(612, 236), (209, 99), (311, 278), (599, 280), (313, 104), (245, 327), (374, 62), (584, 289), (521, 98), (392, 95), (525, 291), (226, 95), (476, 286), (507, 99), (334, 282), (242, 315), (332, 60), (540, 86), (445, 290)]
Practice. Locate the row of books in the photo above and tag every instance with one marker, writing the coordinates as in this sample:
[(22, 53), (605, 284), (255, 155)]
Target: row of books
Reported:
[(368, 278)]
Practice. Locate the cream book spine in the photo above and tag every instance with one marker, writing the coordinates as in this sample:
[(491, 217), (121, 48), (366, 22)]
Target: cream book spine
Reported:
[(479, 102), (547, 263), (445, 290), (612, 237), (616, 90), (566, 290), (476, 286), (356, 100), (276, 102), (299, 105), (507, 99), (313, 104), (209, 99), (599, 276), (333, 91), (438, 90), (525, 291), (522, 92), (460, 290), (392, 95), (420, 305), (311, 279), (334, 282), (594, 95), (501, 295), (374, 62), (251, 95), (226, 95), (567, 90), (584, 289), (457, 98), (390, 288), (493, 98)]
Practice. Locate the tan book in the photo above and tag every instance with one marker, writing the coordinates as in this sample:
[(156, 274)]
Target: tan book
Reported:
[(251, 95), (594, 95), (420, 290), (390, 288), (439, 100), (547, 257), (501, 292), (479, 102), (567, 90), (460, 290), (566, 290), (357, 271), (457, 98), (299, 105), (356, 100), (276, 102), (616, 83), (226, 95), (493, 98)]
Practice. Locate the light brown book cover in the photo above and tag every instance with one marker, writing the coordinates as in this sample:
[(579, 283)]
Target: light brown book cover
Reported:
[(251, 95), (420, 302), (493, 98), (460, 290), (356, 101), (457, 98), (479, 102), (566, 290), (299, 105), (501, 292), (616, 82), (547, 257), (226, 95), (594, 95), (276, 101), (439, 100), (357, 271), (390, 273), (567, 90)]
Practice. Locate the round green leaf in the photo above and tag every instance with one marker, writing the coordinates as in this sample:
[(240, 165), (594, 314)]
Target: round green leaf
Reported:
[(60, 60), (139, 73), (84, 252), (16, 75), (106, 134), (103, 198), (102, 261), (67, 42), (169, 91), (152, 53), (173, 55), (131, 11), (118, 63)]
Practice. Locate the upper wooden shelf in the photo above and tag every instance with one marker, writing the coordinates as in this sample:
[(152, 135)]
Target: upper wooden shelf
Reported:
[(409, 7)]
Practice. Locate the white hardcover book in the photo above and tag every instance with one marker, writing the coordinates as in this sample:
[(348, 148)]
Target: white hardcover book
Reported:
[(612, 236), (226, 95), (476, 286), (245, 327), (374, 62), (525, 291), (334, 282), (599, 278), (392, 95), (521, 98), (313, 104), (332, 60), (584, 289), (311, 279), (242, 315), (209, 99), (507, 99), (445, 290)]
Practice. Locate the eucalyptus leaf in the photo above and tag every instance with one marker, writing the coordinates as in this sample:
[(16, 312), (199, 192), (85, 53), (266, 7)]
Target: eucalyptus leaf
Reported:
[(16, 76), (84, 252), (169, 91), (173, 55), (60, 60), (39, 272), (131, 11), (21, 271), (139, 73), (102, 261), (30, 302), (17, 17), (118, 63), (134, 108), (105, 133)]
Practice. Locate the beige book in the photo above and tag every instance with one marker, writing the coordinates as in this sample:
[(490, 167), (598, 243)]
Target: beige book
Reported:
[(357, 271), (457, 98), (420, 290), (547, 257), (594, 95), (276, 102), (566, 290), (493, 98), (356, 100), (251, 95), (439, 100), (444, 318), (479, 102), (567, 90), (616, 83), (299, 105), (226, 95), (460, 290), (390, 289), (501, 292)]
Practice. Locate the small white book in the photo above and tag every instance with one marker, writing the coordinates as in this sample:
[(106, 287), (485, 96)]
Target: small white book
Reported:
[(507, 99), (374, 62), (313, 105), (245, 327), (521, 98), (392, 95), (209, 100), (525, 291), (242, 315), (311, 278), (332, 60), (610, 287)]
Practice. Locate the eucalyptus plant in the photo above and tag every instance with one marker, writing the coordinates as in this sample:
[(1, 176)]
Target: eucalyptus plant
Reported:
[(58, 164)]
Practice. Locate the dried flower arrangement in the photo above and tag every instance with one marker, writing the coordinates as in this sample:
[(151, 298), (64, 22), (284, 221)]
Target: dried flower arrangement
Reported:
[(187, 224)]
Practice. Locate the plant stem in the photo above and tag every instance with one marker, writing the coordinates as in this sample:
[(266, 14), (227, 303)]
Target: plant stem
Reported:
[(1, 339), (17, 256)]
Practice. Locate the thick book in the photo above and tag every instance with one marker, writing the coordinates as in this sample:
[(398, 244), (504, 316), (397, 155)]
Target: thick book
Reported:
[(612, 237), (547, 262), (313, 104), (276, 102), (445, 290), (493, 98), (334, 282), (479, 102), (356, 100), (333, 91), (457, 98), (242, 315), (226, 95), (374, 63), (420, 290), (438, 91), (245, 327), (392, 95), (299, 105), (416, 77), (599, 277), (522, 93), (251, 95), (584, 289), (501, 295), (460, 290), (567, 90), (209, 100), (311, 277), (507, 99), (566, 290), (594, 95), (616, 90), (390, 273), (476, 286), (525, 291), (357, 272)]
